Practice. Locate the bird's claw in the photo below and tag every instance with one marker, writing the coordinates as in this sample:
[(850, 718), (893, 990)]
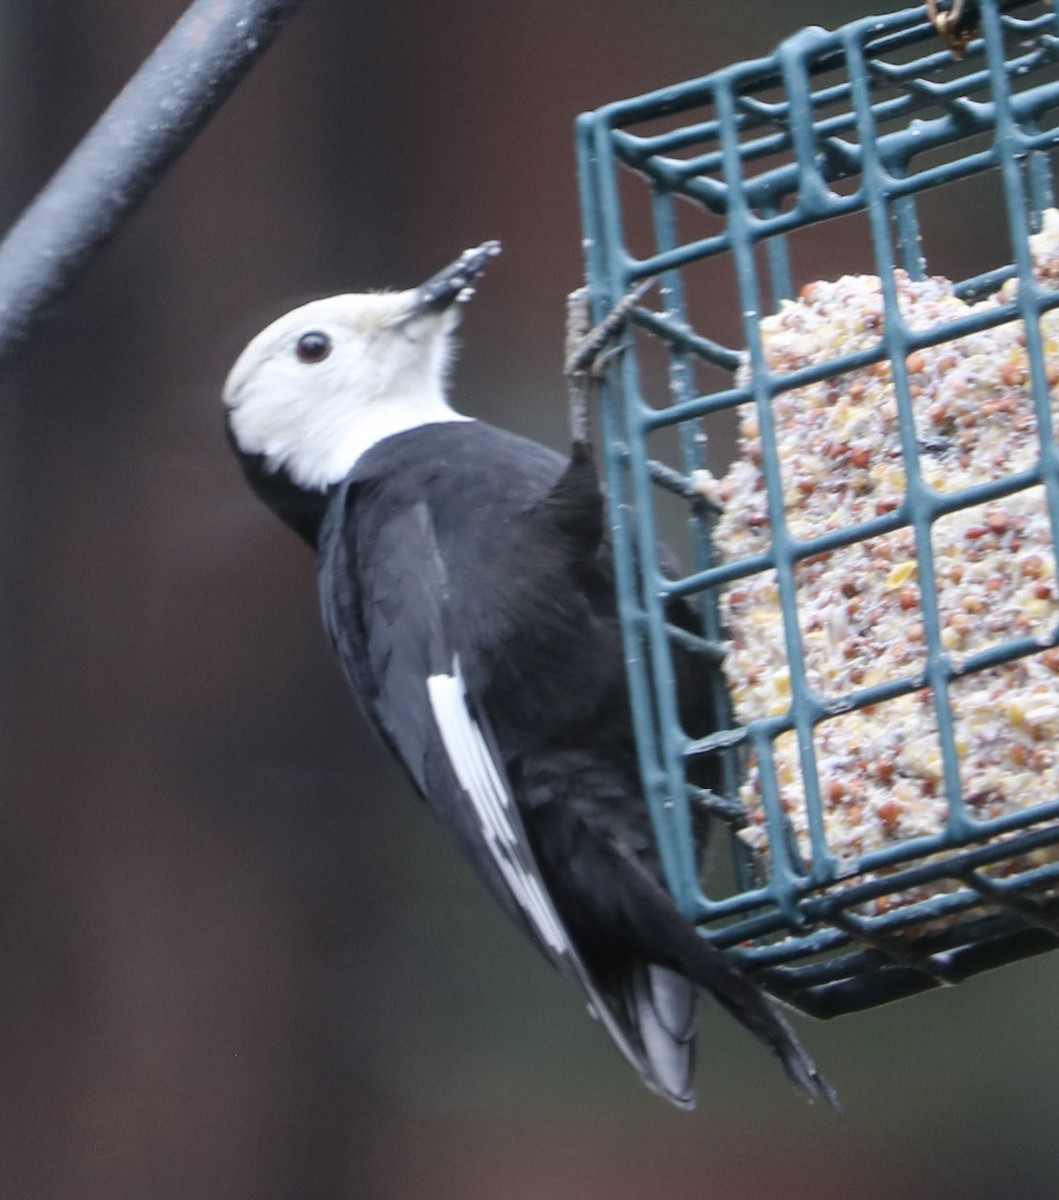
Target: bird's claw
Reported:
[(590, 349), (956, 26), (732, 812)]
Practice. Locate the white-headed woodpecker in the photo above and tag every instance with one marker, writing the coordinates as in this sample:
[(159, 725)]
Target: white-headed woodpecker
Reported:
[(467, 586)]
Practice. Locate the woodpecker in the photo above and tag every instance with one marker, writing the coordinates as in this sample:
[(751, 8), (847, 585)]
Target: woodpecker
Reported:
[(466, 583)]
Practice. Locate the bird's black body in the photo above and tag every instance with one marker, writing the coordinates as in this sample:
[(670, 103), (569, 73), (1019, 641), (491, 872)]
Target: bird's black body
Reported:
[(467, 586), (422, 555)]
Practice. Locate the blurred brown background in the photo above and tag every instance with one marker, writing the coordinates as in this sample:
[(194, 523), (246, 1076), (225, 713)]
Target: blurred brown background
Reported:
[(236, 958)]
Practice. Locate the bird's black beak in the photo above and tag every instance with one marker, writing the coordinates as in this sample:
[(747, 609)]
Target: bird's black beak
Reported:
[(456, 283)]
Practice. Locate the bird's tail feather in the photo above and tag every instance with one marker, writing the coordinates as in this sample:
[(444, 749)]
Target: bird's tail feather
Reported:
[(705, 965), (662, 1006)]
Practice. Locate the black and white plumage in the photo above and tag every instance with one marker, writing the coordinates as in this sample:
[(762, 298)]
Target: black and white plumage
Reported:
[(466, 584)]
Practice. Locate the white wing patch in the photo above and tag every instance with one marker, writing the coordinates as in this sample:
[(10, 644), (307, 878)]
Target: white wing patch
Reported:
[(480, 779)]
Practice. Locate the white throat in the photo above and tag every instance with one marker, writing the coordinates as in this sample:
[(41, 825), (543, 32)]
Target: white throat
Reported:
[(322, 447), (375, 423)]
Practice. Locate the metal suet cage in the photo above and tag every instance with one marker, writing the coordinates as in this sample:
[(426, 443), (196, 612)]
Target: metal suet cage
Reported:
[(877, 131)]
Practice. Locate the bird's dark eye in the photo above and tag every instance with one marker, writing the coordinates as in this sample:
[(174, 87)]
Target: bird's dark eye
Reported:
[(313, 347)]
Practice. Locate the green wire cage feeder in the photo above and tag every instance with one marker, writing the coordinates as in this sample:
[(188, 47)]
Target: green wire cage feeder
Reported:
[(865, 457)]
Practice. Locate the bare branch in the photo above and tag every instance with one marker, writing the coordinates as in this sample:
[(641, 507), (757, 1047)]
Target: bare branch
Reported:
[(154, 118)]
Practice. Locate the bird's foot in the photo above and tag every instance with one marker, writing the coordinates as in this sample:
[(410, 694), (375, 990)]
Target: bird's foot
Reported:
[(724, 808), (956, 26), (591, 348)]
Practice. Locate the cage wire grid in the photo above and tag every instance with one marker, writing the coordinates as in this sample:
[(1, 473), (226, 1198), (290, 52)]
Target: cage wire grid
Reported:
[(868, 120)]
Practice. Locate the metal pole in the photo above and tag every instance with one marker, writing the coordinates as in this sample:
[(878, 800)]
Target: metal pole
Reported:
[(152, 120)]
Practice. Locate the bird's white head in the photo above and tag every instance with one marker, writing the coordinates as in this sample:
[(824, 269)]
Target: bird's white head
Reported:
[(324, 383)]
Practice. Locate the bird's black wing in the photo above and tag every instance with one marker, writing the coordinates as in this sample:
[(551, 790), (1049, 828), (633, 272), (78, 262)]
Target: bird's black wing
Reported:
[(586, 816), (424, 653), (385, 598)]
